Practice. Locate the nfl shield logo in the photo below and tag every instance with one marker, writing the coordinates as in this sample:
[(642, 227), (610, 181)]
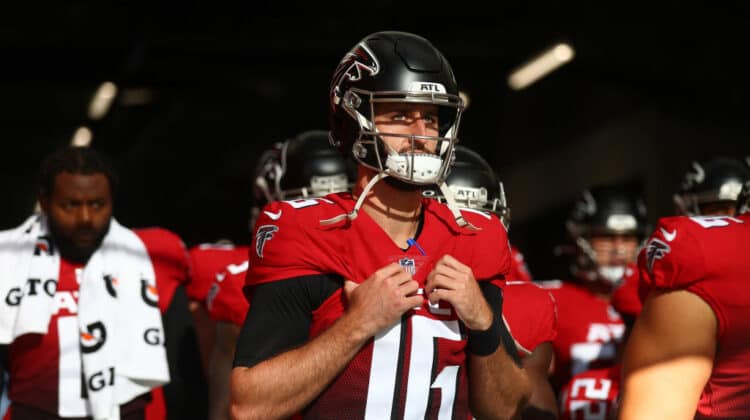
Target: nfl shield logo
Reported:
[(408, 265)]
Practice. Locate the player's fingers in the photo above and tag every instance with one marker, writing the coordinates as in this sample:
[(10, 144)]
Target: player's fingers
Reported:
[(437, 295), (388, 271), (455, 264), (408, 288), (349, 287), (413, 301), (441, 281)]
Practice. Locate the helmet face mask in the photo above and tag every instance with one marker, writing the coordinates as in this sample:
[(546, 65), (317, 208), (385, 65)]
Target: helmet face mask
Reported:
[(475, 185), (301, 167), (606, 226), (743, 200), (395, 70)]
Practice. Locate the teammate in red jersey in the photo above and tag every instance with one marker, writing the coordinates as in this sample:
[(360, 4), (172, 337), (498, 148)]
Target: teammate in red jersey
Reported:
[(475, 186), (305, 166), (48, 375), (207, 260), (689, 353), (385, 305), (184, 396), (528, 310), (594, 394), (606, 226)]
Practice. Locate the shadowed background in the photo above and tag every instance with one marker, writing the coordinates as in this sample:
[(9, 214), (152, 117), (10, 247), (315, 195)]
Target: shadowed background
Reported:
[(205, 86)]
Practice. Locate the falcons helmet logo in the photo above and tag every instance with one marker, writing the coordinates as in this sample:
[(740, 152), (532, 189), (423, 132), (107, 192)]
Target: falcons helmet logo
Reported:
[(356, 63)]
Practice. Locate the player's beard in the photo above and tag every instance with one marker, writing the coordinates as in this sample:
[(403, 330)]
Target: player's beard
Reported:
[(72, 251), (402, 185)]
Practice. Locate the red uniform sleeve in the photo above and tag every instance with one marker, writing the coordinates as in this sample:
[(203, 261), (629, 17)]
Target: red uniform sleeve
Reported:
[(625, 298), (531, 314), (225, 301), (282, 245), (170, 261), (492, 260), (519, 271), (207, 260), (672, 257)]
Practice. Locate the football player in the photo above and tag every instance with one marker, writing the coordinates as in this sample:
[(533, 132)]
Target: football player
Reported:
[(303, 167), (594, 393), (528, 310), (710, 188), (689, 352), (74, 238), (606, 226), (383, 303), (206, 261), (475, 186)]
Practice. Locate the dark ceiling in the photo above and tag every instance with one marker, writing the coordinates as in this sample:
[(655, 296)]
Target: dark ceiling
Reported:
[(204, 86)]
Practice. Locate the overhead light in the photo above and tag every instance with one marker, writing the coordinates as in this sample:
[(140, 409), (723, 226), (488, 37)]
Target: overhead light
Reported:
[(102, 100), (136, 96), (82, 137), (465, 98), (540, 66)]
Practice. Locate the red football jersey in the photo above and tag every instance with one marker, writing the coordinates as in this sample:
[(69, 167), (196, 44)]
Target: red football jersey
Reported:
[(591, 395), (519, 271), (710, 257), (416, 368), (625, 298), (225, 301), (206, 261), (45, 370), (588, 330), (530, 313)]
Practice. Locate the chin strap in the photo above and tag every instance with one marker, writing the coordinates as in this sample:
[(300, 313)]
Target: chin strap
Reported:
[(451, 202), (447, 193), (355, 211)]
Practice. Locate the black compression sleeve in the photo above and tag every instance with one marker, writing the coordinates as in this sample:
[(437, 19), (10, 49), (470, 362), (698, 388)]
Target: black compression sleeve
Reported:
[(280, 316), (494, 296)]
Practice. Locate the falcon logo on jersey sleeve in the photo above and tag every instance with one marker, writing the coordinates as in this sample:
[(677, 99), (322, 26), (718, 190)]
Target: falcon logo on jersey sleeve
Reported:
[(656, 250), (265, 233)]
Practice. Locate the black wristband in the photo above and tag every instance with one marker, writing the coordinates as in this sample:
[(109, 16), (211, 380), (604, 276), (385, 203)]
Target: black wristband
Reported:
[(484, 343)]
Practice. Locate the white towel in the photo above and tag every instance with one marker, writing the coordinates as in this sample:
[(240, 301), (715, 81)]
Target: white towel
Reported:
[(122, 337)]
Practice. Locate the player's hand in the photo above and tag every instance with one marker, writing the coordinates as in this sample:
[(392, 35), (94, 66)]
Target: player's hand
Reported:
[(379, 301), (454, 283)]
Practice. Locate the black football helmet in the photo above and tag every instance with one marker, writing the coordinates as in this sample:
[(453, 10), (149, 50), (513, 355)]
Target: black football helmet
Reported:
[(474, 185), (603, 210), (394, 67), (743, 199), (303, 166), (714, 181)]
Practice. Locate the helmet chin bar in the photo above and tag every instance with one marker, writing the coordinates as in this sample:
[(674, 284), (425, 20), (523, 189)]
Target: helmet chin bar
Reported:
[(586, 266)]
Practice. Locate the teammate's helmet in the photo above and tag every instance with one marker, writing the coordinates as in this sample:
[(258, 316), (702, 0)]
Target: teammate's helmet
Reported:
[(303, 166), (715, 181), (475, 185), (394, 67), (601, 211), (743, 200)]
